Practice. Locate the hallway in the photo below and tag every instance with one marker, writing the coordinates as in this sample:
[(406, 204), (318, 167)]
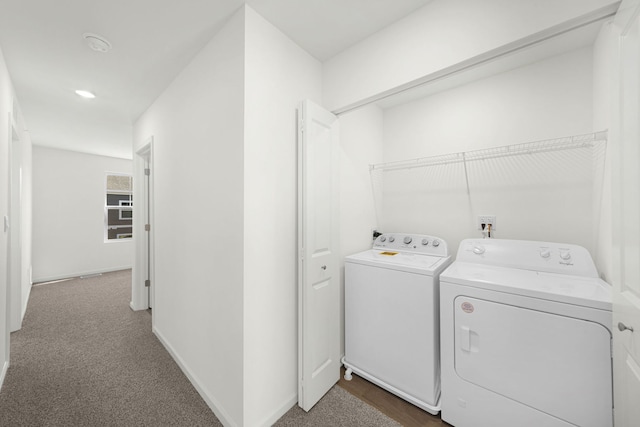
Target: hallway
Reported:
[(83, 357)]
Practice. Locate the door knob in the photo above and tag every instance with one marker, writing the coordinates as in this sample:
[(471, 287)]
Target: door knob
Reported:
[(622, 327)]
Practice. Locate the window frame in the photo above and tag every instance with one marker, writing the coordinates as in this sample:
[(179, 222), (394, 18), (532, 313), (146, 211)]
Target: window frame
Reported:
[(120, 237)]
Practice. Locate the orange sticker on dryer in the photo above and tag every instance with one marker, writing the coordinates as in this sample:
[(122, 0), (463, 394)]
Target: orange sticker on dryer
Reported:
[(389, 253)]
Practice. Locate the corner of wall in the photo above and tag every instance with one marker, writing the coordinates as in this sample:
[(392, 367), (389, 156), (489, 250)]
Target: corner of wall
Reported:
[(197, 124), (6, 101), (279, 74), (603, 58)]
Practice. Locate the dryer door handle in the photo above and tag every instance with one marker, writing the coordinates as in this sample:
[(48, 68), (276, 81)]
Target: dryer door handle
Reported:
[(465, 338)]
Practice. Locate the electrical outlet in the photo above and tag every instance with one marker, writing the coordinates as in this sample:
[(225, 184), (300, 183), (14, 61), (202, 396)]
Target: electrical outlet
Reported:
[(487, 219)]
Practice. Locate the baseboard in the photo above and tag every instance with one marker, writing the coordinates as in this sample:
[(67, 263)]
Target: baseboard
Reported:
[(213, 404), (3, 373), (26, 303), (79, 273), (271, 420)]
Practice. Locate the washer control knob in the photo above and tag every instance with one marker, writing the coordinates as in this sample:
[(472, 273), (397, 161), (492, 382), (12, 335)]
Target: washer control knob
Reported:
[(407, 240), (478, 250), (436, 243), (425, 242), (392, 239), (565, 255), (383, 238), (545, 253)]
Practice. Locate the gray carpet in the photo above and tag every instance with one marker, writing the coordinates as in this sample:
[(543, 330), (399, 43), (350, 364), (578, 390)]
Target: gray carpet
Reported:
[(84, 358)]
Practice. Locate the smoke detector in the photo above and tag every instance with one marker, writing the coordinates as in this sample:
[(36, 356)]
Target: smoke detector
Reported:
[(96, 42)]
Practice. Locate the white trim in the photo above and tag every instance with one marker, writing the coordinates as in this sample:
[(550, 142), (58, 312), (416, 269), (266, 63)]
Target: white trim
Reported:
[(3, 373), (139, 292), (110, 241), (489, 56), (6, 334), (72, 275), (25, 304), (276, 415), (211, 401)]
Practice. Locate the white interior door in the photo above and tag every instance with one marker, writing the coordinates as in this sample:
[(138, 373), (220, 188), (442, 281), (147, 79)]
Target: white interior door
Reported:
[(318, 260), (626, 280)]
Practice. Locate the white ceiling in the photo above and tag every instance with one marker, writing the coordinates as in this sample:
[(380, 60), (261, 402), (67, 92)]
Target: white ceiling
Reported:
[(152, 41)]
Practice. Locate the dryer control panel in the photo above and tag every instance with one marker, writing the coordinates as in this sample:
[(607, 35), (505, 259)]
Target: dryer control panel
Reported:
[(416, 243), (529, 255)]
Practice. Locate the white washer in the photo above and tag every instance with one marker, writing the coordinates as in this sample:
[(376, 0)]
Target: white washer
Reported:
[(392, 317), (526, 337)]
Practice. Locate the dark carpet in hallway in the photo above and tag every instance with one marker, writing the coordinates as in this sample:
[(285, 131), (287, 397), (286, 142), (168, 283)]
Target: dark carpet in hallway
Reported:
[(84, 358)]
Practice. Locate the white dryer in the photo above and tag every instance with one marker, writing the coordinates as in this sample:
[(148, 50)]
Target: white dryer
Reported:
[(392, 317), (526, 337)]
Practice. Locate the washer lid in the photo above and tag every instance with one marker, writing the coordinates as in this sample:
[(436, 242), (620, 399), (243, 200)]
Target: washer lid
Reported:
[(577, 290), (403, 261)]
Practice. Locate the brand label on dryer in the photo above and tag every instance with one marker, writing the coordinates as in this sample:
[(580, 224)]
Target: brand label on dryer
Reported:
[(467, 307)]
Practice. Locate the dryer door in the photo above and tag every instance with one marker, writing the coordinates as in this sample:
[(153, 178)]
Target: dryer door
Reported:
[(555, 364)]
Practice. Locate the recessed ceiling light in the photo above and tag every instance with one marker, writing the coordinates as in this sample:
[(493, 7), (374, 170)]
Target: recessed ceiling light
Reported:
[(96, 42), (85, 94)]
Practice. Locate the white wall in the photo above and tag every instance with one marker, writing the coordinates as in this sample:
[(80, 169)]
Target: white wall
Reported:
[(231, 113), (68, 215), (441, 34), (198, 129), (10, 116), (548, 198), (6, 90), (20, 217), (278, 75), (361, 141)]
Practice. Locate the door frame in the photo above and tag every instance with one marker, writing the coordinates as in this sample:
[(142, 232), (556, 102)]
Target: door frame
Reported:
[(626, 307), (143, 265), (14, 262)]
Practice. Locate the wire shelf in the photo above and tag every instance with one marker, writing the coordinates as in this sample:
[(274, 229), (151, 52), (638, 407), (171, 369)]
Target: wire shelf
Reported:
[(550, 145)]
